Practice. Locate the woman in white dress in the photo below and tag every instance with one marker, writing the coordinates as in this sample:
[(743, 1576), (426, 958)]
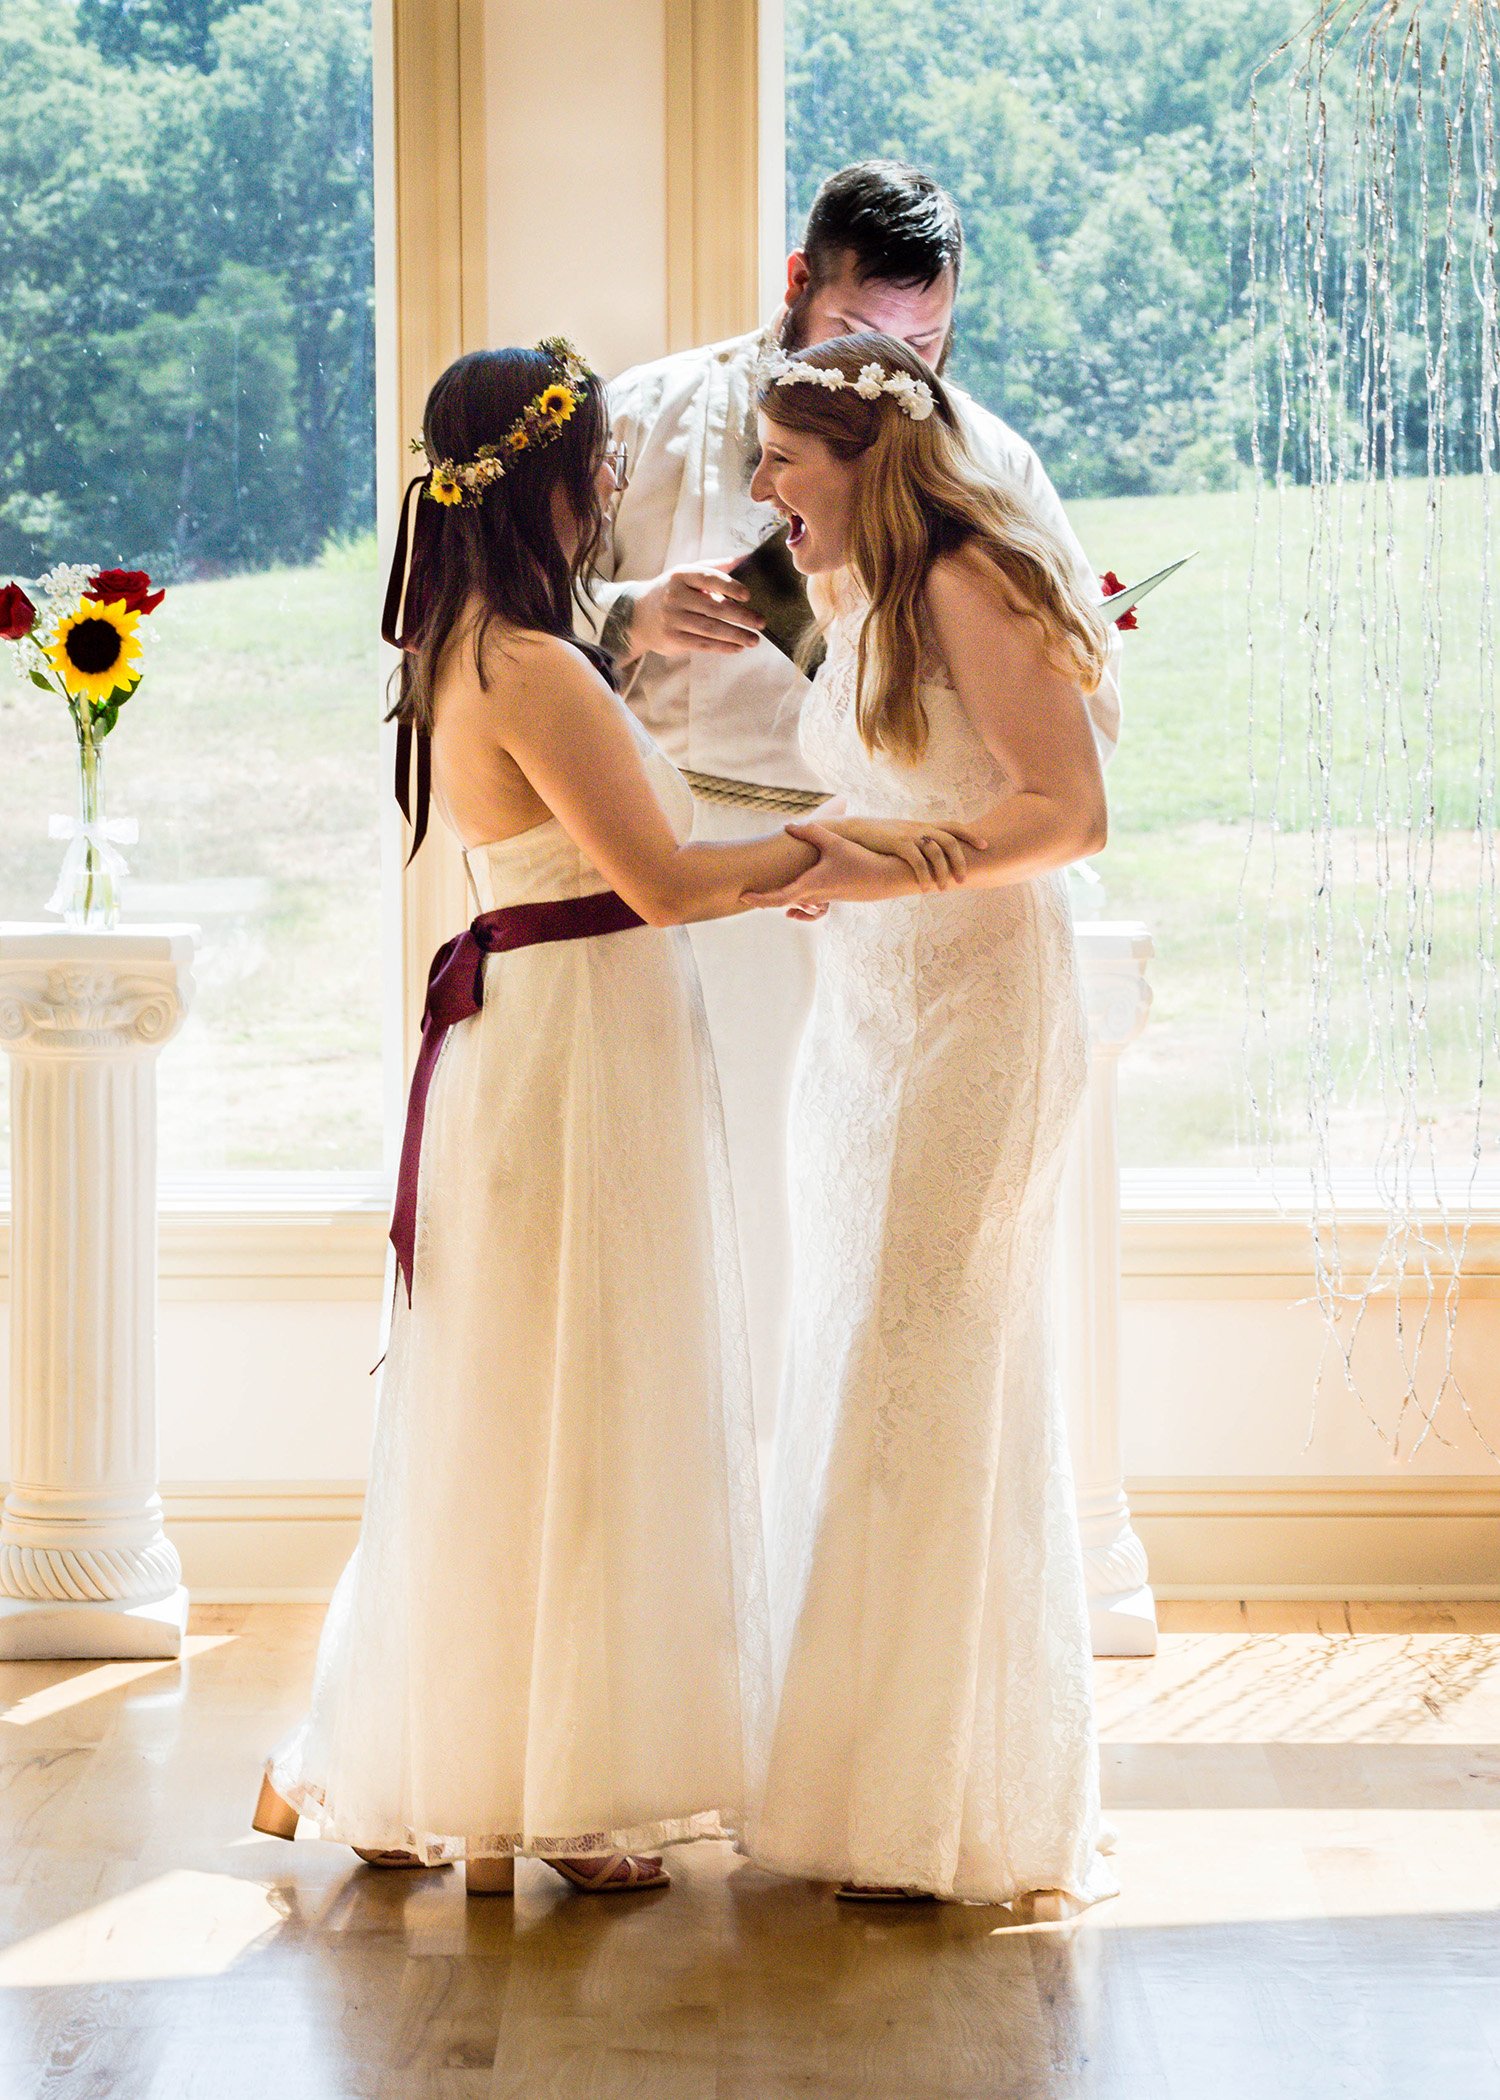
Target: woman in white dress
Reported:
[(934, 1732), (551, 1639)]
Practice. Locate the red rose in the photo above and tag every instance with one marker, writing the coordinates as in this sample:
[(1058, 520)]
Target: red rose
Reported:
[(1112, 589), (130, 587), (17, 613)]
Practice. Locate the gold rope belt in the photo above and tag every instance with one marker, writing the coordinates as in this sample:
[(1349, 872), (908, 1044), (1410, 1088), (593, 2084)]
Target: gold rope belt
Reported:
[(754, 794)]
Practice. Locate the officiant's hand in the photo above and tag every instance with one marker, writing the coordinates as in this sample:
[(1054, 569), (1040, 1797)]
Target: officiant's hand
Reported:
[(697, 609)]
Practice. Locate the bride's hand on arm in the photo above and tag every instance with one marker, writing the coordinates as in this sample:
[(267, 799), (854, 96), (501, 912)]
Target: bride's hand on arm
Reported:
[(845, 873), (934, 849), (870, 860)]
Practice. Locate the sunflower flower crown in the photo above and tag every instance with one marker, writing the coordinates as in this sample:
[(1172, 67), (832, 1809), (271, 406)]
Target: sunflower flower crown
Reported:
[(541, 421), (912, 396)]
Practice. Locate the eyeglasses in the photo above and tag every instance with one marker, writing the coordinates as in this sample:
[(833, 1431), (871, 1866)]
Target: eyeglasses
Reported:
[(617, 459)]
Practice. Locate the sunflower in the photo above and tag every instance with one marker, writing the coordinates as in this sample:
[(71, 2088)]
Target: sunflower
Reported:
[(445, 486), (516, 440), (557, 403), (95, 651)]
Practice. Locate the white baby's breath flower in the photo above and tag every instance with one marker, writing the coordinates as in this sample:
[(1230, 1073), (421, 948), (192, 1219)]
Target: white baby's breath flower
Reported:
[(66, 580), (29, 658), (918, 404), (871, 382)]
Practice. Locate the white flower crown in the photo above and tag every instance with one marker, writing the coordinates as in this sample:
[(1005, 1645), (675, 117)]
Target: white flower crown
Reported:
[(912, 396)]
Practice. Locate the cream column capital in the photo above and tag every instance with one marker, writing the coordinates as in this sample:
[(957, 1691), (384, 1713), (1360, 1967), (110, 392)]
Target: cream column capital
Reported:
[(76, 994), (1117, 996)]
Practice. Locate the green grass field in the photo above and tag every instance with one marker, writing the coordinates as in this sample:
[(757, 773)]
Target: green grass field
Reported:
[(250, 758), (1180, 804)]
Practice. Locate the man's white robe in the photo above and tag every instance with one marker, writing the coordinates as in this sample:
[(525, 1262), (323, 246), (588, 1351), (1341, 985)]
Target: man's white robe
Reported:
[(689, 423)]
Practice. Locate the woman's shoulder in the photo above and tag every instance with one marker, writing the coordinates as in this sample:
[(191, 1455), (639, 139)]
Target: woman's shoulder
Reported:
[(516, 661), (966, 578)]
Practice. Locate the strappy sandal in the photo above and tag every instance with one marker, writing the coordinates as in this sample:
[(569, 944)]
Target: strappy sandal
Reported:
[(275, 1817), (597, 1873)]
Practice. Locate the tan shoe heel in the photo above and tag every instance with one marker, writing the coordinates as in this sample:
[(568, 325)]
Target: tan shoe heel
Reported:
[(490, 1877), (273, 1817)]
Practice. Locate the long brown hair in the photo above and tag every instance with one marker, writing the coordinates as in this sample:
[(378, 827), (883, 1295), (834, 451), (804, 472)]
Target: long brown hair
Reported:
[(502, 552), (922, 494)]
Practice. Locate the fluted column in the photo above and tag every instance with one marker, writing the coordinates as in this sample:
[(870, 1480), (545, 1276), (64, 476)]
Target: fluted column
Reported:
[(1122, 1609), (85, 1568)]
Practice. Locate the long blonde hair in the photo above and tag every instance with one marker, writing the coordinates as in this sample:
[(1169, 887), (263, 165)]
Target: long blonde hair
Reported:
[(922, 494)]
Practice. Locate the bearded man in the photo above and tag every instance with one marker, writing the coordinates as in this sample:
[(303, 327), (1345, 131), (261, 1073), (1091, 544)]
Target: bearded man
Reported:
[(883, 250)]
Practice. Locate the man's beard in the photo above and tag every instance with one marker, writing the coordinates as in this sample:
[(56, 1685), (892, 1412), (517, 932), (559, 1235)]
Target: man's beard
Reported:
[(791, 336)]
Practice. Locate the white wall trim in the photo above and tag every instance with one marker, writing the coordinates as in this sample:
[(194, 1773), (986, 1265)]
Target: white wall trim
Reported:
[(1277, 1593), (324, 1245), (1433, 1536), (1186, 1237), (1408, 1536), (335, 1248), (1209, 1249), (256, 1542), (1446, 1495)]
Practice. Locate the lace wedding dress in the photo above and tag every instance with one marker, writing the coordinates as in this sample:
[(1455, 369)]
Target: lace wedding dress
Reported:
[(935, 1727), (552, 1637)]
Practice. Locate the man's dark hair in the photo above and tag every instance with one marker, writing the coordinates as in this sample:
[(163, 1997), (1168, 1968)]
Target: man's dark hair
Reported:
[(899, 225)]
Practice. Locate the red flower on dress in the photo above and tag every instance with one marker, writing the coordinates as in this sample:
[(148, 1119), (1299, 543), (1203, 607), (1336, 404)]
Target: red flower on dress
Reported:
[(17, 613), (128, 587), (1112, 589)]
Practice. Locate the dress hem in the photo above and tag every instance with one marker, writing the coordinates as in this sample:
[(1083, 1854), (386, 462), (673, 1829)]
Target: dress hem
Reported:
[(438, 1848), (1097, 1885)]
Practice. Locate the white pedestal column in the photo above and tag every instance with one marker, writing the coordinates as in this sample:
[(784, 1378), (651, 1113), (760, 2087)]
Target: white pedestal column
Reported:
[(85, 1569), (1122, 1609)]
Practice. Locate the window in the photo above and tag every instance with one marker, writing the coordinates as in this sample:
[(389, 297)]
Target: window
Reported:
[(187, 385), (1100, 159)]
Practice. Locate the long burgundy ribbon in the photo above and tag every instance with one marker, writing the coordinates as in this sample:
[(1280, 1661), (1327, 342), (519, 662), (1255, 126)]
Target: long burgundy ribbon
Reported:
[(455, 992), (401, 626)]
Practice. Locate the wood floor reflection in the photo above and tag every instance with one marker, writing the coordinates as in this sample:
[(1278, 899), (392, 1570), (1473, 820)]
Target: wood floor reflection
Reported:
[(1308, 1805)]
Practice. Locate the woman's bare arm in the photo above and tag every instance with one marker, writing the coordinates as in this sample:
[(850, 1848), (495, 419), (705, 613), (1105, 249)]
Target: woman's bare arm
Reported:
[(1035, 724), (1033, 719), (573, 740)]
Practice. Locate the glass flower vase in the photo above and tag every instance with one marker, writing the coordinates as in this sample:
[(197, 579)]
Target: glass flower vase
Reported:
[(88, 884)]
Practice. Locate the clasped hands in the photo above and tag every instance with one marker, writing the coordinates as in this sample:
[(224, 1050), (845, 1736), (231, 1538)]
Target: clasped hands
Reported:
[(870, 860)]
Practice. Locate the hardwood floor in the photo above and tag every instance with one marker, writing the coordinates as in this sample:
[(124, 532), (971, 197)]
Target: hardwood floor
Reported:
[(1308, 1802)]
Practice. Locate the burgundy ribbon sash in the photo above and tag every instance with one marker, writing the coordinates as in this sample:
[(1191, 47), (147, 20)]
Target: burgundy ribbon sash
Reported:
[(455, 991)]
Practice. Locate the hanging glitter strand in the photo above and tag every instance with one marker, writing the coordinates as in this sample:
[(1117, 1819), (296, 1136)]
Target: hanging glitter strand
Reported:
[(1371, 855)]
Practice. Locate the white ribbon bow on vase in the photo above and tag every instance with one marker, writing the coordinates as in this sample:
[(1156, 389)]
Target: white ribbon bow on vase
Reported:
[(106, 836)]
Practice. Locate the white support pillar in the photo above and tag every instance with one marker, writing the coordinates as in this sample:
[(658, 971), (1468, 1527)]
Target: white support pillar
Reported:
[(1122, 1610), (85, 1569)]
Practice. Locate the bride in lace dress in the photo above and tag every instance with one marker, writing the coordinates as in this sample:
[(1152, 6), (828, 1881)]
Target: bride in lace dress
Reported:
[(935, 1731), (551, 1638)]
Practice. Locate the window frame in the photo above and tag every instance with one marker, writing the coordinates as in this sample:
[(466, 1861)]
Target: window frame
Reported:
[(1209, 1232)]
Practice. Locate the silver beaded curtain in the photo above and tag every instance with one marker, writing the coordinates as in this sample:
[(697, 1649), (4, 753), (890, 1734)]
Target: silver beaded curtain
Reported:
[(1369, 890)]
